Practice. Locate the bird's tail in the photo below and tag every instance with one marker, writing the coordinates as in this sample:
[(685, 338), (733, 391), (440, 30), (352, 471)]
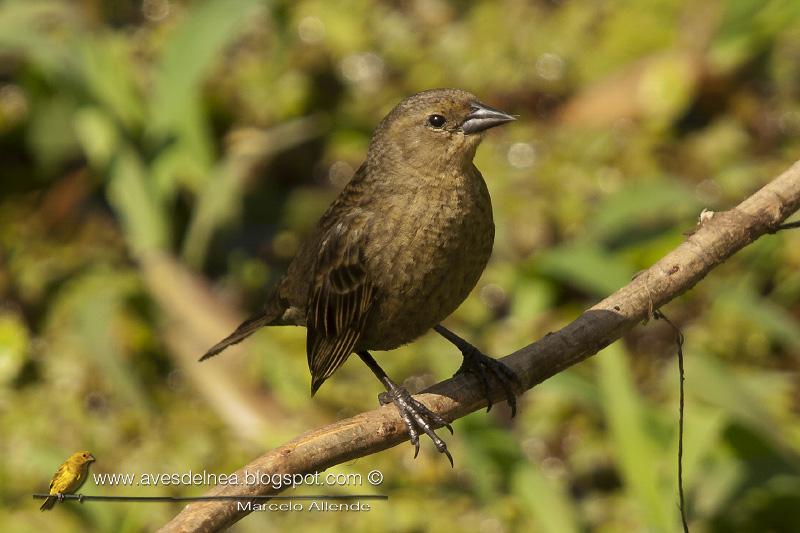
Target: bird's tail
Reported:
[(48, 504), (245, 329)]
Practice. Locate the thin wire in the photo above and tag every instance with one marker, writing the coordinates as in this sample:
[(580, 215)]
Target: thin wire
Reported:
[(788, 225), (679, 339), (88, 497)]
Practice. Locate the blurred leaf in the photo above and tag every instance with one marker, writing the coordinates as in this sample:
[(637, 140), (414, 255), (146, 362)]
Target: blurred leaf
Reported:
[(572, 385), (586, 266), (747, 28), (220, 199), (772, 506), (547, 501), (14, 346), (22, 25), (634, 449), (143, 218), (667, 87), (85, 319), (107, 70), (190, 53), (97, 134), (703, 429), (721, 477), (531, 297), (716, 384), (763, 314), (51, 132), (491, 455), (178, 121), (639, 206)]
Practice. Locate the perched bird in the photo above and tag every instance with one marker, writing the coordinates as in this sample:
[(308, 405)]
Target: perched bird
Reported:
[(68, 478), (397, 251)]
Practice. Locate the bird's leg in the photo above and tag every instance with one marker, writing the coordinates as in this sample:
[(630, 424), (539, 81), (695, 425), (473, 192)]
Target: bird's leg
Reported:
[(416, 416), (483, 366)]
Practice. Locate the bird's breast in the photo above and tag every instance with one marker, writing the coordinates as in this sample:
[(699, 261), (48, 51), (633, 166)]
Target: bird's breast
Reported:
[(428, 250)]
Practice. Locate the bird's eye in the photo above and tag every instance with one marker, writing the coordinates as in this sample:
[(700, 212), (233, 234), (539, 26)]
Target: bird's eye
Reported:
[(437, 121)]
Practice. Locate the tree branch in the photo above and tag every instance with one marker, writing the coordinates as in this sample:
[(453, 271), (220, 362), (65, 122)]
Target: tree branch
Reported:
[(717, 237)]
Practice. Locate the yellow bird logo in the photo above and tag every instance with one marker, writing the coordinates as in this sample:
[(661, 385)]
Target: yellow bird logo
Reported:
[(68, 478)]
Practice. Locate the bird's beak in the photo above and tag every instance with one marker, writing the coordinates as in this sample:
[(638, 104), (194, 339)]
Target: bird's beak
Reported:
[(484, 117), (91, 459)]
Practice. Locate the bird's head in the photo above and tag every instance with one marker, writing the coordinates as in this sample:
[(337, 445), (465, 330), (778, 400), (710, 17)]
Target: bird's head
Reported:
[(81, 458), (435, 129)]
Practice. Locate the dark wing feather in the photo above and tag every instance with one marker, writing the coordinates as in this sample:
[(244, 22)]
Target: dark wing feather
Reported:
[(51, 501), (59, 473), (340, 301)]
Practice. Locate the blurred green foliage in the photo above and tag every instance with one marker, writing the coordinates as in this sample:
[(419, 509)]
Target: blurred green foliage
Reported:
[(217, 131)]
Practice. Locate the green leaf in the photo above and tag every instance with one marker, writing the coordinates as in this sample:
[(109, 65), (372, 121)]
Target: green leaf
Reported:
[(97, 134), (643, 205), (586, 266), (14, 346), (190, 53), (635, 451), (747, 28), (107, 69), (219, 201), (716, 384), (145, 223), (761, 313), (547, 502), (21, 31)]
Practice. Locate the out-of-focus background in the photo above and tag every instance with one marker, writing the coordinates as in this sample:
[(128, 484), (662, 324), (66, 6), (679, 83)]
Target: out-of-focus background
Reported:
[(161, 160)]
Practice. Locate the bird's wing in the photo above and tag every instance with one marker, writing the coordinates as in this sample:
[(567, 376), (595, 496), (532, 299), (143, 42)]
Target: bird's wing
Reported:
[(339, 303), (63, 482), (60, 479)]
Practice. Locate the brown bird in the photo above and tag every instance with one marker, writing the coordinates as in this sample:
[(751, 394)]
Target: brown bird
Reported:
[(68, 478), (397, 251)]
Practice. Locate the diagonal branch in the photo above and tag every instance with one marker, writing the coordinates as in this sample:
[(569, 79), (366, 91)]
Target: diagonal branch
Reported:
[(717, 237)]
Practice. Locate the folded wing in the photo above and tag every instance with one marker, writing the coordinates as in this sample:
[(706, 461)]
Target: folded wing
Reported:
[(339, 304)]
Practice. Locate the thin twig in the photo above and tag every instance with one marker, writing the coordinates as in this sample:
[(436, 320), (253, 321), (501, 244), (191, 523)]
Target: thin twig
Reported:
[(679, 340)]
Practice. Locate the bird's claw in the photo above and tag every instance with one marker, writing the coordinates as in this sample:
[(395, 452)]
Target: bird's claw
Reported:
[(60, 496), (80, 498), (481, 365), (418, 418)]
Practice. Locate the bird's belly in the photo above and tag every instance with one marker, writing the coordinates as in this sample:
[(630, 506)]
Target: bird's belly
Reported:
[(431, 272)]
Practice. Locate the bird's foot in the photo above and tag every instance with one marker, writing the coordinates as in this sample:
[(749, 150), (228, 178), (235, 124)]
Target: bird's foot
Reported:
[(60, 496), (483, 366), (417, 417), (80, 498)]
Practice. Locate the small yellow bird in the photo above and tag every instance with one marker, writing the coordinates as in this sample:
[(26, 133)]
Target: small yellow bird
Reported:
[(68, 478)]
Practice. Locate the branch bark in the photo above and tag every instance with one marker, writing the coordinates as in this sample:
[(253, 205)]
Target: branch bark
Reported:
[(717, 237)]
